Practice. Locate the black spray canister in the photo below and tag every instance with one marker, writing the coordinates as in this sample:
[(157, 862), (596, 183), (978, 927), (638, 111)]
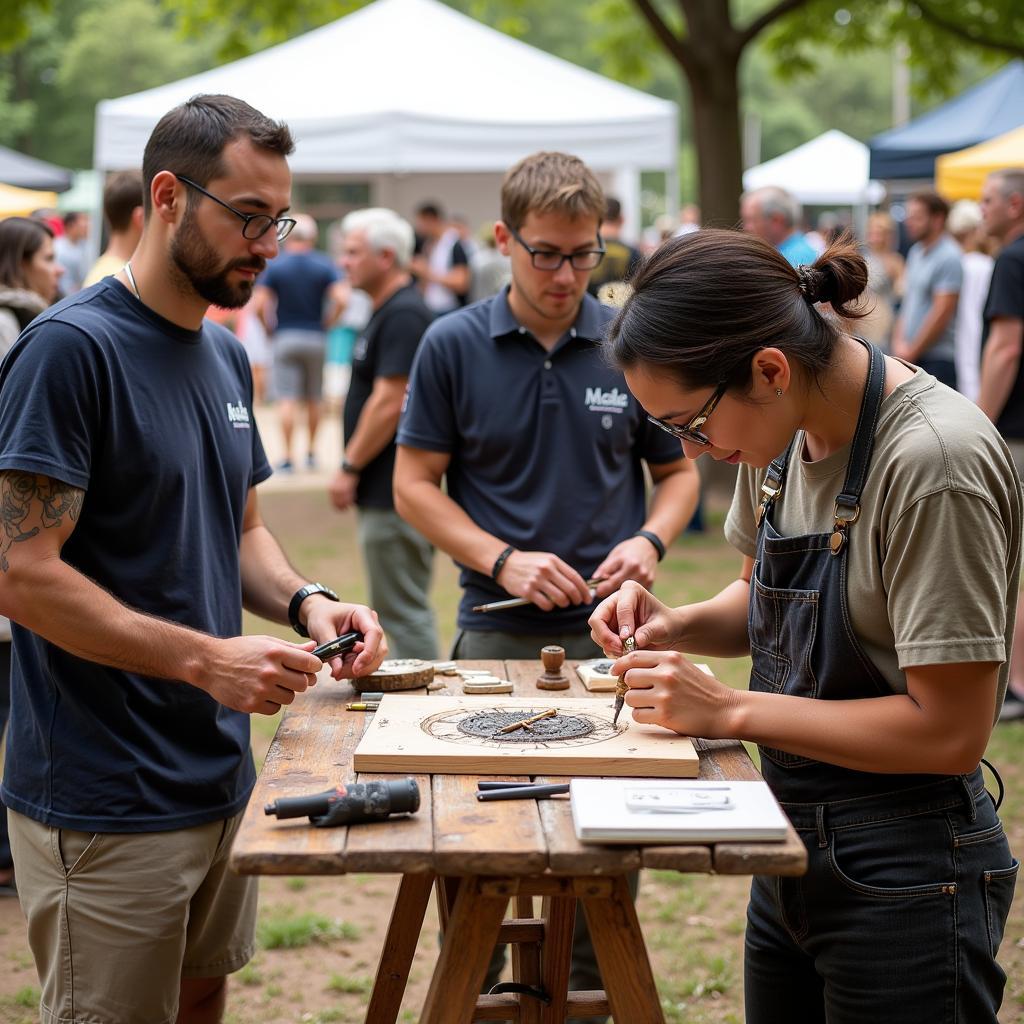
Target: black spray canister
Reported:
[(351, 804)]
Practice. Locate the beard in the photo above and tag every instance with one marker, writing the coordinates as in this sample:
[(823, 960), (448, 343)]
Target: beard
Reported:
[(203, 271)]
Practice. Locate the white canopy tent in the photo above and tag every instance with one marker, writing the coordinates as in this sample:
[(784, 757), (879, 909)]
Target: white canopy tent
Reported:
[(831, 170), (420, 102)]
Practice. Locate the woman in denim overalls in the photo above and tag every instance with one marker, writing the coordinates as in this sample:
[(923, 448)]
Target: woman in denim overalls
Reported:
[(910, 878)]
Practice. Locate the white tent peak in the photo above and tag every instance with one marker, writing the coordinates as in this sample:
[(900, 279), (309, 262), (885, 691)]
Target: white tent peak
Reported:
[(830, 170), (423, 68)]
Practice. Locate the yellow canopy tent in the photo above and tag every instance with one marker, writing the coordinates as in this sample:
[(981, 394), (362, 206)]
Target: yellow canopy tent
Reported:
[(20, 202), (960, 175)]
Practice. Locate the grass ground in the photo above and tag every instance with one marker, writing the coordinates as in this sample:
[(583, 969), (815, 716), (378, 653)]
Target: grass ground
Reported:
[(319, 938)]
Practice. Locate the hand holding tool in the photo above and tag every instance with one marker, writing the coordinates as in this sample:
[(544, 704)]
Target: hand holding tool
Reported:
[(628, 646), (520, 602)]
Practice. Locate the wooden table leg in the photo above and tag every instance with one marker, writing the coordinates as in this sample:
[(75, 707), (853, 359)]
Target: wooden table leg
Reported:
[(465, 953), (447, 890), (526, 960), (399, 948), (622, 956), (559, 913)]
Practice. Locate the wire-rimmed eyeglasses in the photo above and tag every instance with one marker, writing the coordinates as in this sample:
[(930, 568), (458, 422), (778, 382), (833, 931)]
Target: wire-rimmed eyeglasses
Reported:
[(546, 259), (691, 431), (256, 224)]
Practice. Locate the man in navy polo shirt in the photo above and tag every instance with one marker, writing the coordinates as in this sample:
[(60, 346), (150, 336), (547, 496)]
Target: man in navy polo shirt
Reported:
[(542, 445), (132, 538)]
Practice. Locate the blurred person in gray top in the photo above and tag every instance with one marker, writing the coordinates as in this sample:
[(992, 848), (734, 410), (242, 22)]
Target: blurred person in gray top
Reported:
[(965, 226), (71, 251), (297, 300), (925, 331)]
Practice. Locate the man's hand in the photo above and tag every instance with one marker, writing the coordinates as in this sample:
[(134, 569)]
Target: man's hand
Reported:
[(342, 490), (327, 619), (632, 559), (420, 267), (257, 674), (544, 579), (901, 350)]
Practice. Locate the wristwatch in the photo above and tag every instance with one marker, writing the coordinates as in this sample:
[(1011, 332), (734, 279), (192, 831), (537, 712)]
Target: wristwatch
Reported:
[(299, 596), (347, 467)]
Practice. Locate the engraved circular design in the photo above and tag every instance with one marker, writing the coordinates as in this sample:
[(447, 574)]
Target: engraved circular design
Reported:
[(487, 725), (446, 726)]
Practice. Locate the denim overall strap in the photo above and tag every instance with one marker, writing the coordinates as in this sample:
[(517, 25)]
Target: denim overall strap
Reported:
[(802, 640)]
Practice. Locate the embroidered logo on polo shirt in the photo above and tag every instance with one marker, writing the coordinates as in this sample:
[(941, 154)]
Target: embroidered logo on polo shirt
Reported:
[(613, 401), (238, 416)]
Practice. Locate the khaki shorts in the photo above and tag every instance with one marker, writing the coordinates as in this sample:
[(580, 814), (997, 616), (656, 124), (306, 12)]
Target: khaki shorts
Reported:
[(116, 920)]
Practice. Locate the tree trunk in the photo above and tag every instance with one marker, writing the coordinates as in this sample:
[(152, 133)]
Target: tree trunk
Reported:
[(715, 98)]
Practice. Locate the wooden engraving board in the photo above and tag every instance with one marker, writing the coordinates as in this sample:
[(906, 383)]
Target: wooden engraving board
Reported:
[(423, 734)]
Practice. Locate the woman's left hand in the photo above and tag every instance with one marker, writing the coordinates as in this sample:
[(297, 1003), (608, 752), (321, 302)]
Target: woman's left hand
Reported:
[(667, 689)]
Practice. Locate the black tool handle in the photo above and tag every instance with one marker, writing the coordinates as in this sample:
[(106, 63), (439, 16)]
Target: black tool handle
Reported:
[(505, 785), (312, 805), (339, 645), (524, 792)]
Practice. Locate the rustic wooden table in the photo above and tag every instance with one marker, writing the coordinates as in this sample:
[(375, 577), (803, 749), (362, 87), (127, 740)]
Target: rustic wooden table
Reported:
[(479, 856)]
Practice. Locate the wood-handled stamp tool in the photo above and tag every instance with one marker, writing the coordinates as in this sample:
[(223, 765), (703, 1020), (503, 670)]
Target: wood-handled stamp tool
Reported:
[(628, 646), (525, 723)]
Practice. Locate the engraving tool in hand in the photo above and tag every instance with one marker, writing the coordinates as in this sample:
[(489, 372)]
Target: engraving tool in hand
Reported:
[(628, 646)]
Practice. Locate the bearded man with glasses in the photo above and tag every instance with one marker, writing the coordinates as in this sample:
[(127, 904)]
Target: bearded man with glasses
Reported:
[(542, 446), (131, 540)]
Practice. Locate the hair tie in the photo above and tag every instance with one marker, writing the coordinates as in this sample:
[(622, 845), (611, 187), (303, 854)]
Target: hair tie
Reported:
[(810, 281)]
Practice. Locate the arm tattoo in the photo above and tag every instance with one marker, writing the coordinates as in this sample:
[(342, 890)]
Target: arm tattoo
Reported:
[(30, 503)]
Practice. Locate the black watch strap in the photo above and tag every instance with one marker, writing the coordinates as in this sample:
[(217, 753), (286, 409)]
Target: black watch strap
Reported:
[(649, 535), (299, 596), (347, 467)]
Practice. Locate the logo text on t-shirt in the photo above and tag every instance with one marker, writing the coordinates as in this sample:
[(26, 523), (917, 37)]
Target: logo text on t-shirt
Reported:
[(597, 400), (238, 416)]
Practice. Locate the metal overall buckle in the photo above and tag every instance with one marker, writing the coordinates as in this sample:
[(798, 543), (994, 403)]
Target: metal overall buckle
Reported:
[(844, 515), (770, 493)]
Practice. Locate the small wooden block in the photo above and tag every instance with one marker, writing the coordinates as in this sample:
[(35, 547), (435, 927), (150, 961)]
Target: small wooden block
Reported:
[(478, 686), (595, 676), (397, 674), (445, 668)]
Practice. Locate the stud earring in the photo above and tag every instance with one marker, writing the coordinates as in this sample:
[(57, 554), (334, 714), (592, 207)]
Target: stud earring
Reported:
[(778, 392)]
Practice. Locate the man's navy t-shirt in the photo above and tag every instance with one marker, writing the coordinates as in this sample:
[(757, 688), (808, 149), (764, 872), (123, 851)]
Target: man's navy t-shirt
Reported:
[(300, 281), (547, 448), (153, 423)]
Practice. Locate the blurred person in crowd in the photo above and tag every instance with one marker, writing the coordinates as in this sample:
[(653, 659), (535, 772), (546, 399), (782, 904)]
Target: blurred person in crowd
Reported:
[(773, 214), (885, 280), (1001, 391), (621, 259), (441, 263), (376, 251), (689, 219), (297, 300), (129, 460), (71, 250), (521, 453), (29, 282), (965, 225), (469, 244), (491, 269), (123, 212), (925, 330)]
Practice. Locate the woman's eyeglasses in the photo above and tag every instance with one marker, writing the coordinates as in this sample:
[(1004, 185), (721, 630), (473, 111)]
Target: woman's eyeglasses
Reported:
[(691, 431)]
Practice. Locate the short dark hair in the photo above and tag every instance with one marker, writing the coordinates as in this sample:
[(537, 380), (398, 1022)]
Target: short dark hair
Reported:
[(71, 216), (931, 201), (612, 208), (706, 302), (190, 139), (20, 239), (121, 196), (430, 209)]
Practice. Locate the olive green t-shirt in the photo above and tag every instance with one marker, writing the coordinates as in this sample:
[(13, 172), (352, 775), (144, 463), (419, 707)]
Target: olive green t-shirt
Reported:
[(934, 558)]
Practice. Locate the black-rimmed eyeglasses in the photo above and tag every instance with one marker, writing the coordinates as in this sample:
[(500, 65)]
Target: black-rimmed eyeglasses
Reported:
[(691, 431), (546, 259), (256, 224)]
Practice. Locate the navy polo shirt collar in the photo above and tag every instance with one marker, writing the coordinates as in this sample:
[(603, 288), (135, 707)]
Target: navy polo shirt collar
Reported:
[(589, 323)]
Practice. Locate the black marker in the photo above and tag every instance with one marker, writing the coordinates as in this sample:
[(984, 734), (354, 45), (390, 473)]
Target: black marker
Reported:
[(339, 645)]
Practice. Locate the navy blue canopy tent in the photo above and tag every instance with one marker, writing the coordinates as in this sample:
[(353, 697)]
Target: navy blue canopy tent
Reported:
[(27, 172), (990, 108)]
